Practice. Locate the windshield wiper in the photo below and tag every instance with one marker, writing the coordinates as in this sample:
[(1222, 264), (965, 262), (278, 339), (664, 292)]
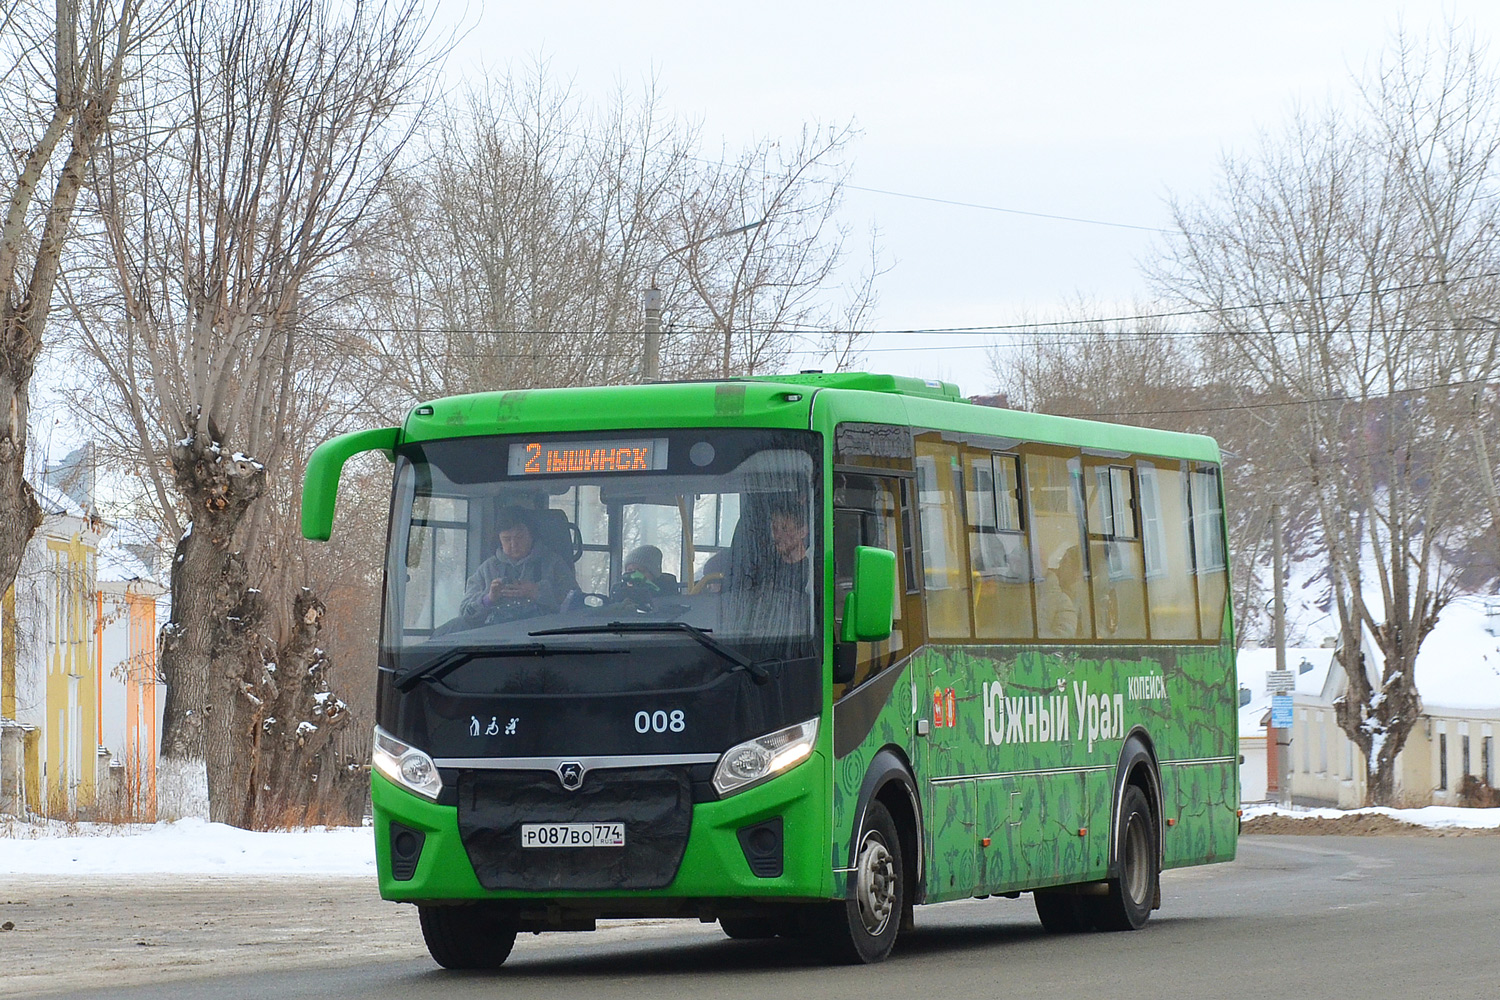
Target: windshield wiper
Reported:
[(451, 660), (754, 668)]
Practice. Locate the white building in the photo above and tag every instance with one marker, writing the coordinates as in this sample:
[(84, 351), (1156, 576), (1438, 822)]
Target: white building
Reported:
[(1458, 682)]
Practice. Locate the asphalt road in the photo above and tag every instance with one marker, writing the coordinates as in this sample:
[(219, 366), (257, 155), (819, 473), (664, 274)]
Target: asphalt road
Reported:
[(1366, 917)]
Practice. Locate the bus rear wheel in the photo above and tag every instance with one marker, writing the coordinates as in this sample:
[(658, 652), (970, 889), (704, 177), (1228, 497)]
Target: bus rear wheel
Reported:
[(862, 928), (1062, 912), (467, 937), (1128, 905)]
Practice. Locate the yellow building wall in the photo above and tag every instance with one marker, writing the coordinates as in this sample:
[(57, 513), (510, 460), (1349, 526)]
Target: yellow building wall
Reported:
[(140, 706), (8, 654), (71, 718)]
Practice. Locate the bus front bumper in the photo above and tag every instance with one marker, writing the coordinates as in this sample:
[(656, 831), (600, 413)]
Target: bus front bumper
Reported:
[(714, 865)]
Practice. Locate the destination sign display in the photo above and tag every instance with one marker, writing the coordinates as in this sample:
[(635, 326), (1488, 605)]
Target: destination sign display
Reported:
[(550, 458)]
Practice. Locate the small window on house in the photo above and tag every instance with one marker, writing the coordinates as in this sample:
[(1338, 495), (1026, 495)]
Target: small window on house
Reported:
[(1306, 739), (1463, 743), (1322, 745), (1442, 761), (1487, 760)]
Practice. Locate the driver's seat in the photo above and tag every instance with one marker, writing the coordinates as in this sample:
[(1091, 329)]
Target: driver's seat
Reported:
[(555, 533)]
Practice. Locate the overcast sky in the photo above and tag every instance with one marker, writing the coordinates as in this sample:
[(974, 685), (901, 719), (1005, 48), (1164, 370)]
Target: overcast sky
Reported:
[(1093, 110)]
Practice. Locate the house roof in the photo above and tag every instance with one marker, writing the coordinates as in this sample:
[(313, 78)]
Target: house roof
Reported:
[(1252, 666), (1458, 666)]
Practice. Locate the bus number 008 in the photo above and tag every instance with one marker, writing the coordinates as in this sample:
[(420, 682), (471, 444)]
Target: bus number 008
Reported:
[(660, 722)]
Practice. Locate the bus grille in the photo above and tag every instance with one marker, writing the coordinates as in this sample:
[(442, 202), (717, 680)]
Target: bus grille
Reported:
[(655, 804)]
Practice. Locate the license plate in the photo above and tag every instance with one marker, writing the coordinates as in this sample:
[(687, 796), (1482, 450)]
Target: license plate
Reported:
[(572, 834)]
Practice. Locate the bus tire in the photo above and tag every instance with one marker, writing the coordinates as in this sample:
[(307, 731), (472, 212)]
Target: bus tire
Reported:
[(862, 928), (1128, 905), (1062, 912), (467, 937), (748, 928)]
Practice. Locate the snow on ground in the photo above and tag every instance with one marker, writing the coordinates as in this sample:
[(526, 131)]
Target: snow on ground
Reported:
[(186, 847), (196, 847), (1433, 817)]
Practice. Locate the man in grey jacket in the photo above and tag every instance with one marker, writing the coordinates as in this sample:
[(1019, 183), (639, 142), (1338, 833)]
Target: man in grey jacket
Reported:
[(521, 580)]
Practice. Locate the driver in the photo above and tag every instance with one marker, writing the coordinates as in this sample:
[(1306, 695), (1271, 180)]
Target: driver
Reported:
[(521, 580)]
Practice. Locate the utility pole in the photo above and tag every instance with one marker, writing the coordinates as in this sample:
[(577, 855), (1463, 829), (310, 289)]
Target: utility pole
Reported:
[(651, 300), (1278, 636), (651, 362)]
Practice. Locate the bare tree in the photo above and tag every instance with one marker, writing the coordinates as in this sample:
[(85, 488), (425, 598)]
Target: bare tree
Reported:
[(529, 233), (61, 67), (228, 210), (1345, 266)]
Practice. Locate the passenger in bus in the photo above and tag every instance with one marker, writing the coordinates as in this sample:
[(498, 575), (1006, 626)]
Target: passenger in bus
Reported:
[(521, 580), (711, 580), (643, 580), (1060, 608)]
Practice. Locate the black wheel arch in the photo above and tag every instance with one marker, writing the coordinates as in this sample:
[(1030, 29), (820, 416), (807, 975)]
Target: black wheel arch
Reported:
[(889, 780), (1137, 766)]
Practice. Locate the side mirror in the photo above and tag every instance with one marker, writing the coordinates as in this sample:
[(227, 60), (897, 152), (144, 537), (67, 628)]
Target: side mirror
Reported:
[(869, 610), (320, 484)]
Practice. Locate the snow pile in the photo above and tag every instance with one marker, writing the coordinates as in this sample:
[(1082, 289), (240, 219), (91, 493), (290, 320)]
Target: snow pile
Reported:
[(1432, 817), (186, 847)]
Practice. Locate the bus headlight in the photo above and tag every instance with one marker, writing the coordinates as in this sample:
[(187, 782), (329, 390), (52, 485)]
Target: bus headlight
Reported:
[(756, 760), (406, 765)]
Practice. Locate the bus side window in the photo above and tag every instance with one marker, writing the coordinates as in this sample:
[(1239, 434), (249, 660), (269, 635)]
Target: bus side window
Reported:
[(1170, 590), (1209, 563), (1115, 552), (865, 513), (945, 558), (1053, 504), (998, 553)]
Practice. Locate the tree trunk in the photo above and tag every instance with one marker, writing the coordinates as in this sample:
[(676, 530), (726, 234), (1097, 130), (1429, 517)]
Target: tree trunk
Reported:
[(214, 615), (20, 514), (291, 719)]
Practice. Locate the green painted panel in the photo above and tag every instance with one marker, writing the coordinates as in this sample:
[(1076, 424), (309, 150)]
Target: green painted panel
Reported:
[(1033, 739)]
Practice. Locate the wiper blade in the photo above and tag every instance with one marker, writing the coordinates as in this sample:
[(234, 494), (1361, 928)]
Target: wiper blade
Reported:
[(451, 660), (754, 668)]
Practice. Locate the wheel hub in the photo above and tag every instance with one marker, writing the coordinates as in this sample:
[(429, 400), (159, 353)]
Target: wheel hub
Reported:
[(875, 885)]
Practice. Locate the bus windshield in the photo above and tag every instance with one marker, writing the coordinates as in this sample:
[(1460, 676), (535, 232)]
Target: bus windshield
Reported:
[(498, 540)]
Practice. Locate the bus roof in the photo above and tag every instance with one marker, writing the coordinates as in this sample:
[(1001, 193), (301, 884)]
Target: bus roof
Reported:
[(779, 401)]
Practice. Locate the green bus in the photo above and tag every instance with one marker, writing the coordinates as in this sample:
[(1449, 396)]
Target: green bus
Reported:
[(794, 654)]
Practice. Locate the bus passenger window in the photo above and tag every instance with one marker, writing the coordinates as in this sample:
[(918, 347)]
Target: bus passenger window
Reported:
[(1170, 593), (1115, 553), (945, 562), (998, 552), (1054, 506), (1208, 551)]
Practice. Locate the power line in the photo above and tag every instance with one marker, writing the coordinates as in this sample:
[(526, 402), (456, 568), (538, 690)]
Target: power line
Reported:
[(1306, 401), (1012, 211)]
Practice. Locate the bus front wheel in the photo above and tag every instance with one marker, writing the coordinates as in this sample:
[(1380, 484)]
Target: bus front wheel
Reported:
[(862, 928), (467, 937)]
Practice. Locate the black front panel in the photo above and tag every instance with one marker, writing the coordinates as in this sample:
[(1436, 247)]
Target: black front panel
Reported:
[(661, 698), (654, 803)]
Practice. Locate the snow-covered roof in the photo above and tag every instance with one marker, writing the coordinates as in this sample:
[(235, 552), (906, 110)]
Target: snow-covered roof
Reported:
[(54, 501), (132, 551), (1252, 666), (1458, 666)]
